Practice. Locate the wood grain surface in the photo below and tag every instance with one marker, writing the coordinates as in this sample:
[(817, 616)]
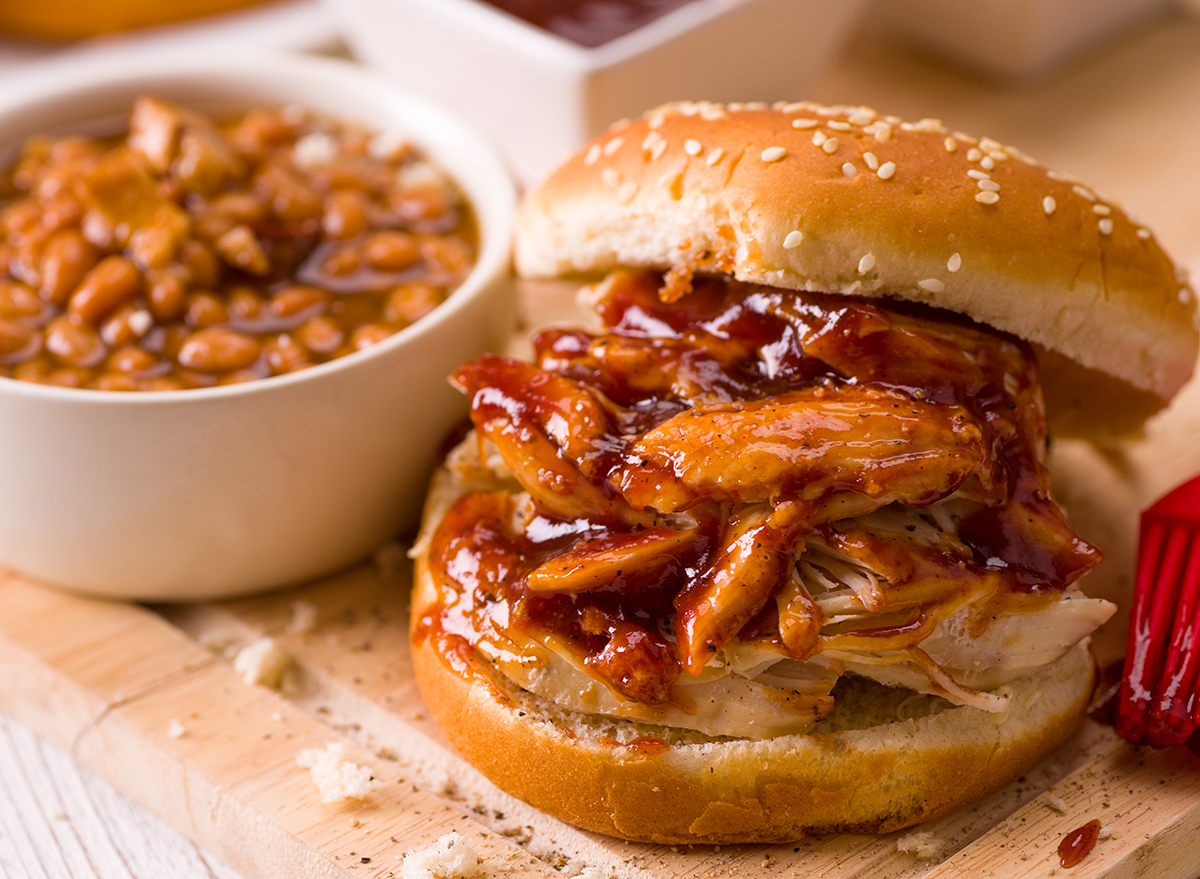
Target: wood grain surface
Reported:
[(103, 682)]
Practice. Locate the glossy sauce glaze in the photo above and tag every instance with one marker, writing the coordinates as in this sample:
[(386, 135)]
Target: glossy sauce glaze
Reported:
[(674, 460)]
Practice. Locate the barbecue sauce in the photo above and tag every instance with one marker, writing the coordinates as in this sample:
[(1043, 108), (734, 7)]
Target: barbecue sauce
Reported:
[(571, 422), (589, 22)]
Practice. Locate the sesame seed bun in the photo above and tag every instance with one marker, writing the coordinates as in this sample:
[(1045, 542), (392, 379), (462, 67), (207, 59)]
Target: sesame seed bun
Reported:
[(840, 199), (886, 758)]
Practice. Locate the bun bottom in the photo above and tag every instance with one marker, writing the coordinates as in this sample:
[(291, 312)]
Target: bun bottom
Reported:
[(863, 770)]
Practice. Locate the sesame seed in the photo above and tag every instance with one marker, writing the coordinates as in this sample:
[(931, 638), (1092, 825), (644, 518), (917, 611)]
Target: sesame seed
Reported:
[(1101, 209), (987, 197), (886, 170), (1106, 226), (773, 154), (669, 178), (974, 154), (988, 185), (1083, 192), (819, 137), (1058, 175), (610, 176), (715, 156), (692, 147), (849, 170), (1049, 204), (986, 162), (840, 126), (593, 154), (951, 145), (702, 201), (626, 193), (651, 139), (931, 285), (954, 263), (830, 146), (871, 161), (1144, 234), (979, 175), (658, 149), (805, 123), (1185, 296), (862, 117), (866, 263), (613, 145), (998, 156), (883, 132), (793, 239)]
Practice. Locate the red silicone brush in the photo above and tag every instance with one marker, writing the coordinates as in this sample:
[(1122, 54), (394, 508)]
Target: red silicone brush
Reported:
[(1159, 703)]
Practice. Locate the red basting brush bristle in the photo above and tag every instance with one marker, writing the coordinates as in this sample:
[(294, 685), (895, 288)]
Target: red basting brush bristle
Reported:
[(1159, 703)]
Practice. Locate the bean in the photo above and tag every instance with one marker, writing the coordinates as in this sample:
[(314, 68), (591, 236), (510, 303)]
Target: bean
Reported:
[(321, 335), (165, 293), (204, 270), (162, 383), (126, 325), (16, 339), (284, 354), (69, 377), (205, 309), (111, 282), (132, 359), (62, 211), (289, 198), (240, 207), (299, 301), (66, 260), (368, 335), (218, 349), (241, 249), (390, 250), (345, 215), (115, 381), (74, 342), (410, 302), (18, 300), (245, 305), (341, 262)]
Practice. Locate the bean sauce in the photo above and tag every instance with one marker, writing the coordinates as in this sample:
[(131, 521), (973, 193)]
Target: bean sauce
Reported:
[(190, 252)]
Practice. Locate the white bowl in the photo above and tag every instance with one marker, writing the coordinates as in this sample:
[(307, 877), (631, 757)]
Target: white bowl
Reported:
[(221, 491), (541, 96), (1010, 38)]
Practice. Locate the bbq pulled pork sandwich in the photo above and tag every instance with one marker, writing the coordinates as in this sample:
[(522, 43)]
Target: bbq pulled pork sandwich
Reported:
[(770, 550)]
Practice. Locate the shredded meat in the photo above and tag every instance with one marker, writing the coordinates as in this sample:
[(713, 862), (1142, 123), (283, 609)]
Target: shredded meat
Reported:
[(679, 462)]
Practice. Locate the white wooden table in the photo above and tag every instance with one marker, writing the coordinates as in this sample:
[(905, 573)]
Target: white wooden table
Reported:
[(1127, 120)]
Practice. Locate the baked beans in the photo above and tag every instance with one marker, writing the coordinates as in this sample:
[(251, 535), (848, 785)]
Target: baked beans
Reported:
[(192, 252)]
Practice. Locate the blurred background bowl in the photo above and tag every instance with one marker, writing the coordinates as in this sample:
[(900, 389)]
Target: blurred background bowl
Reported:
[(220, 491)]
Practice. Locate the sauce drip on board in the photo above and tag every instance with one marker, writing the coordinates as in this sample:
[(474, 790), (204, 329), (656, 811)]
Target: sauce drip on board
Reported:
[(675, 461), (1076, 844)]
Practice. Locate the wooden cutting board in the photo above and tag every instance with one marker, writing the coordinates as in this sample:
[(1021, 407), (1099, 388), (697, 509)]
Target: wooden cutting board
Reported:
[(148, 699), (111, 682)]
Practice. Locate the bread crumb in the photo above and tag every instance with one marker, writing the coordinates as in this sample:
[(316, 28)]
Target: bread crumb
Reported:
[(176, 730), (304, 617), (920, 844), (336, 777), (451, 857), (1055, 802), (261, 663)]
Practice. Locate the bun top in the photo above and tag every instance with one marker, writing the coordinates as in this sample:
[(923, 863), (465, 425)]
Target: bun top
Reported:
[(843, 200)]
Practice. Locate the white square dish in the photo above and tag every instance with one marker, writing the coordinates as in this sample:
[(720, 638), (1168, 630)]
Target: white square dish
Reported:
[(540, 96)]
